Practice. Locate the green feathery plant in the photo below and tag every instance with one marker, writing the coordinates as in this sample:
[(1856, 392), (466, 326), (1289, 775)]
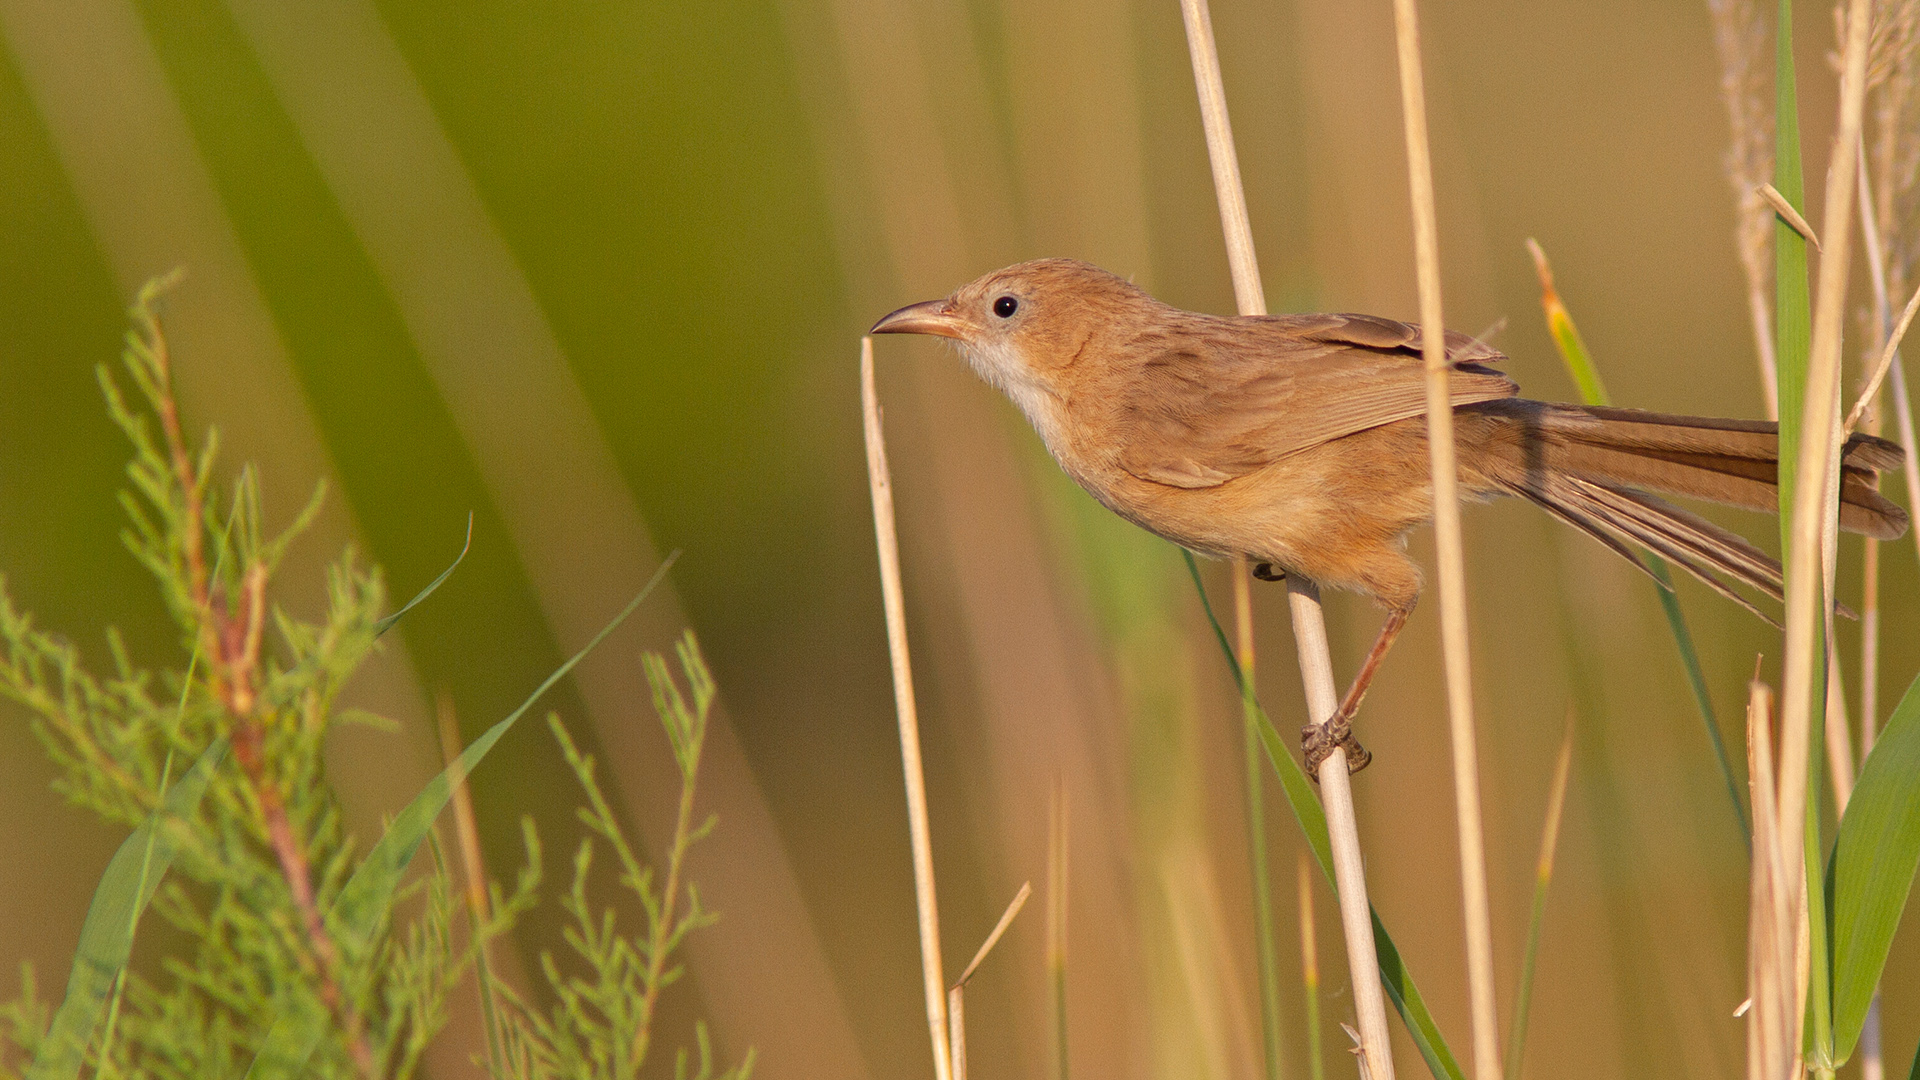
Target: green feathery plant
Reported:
[(297, 954)]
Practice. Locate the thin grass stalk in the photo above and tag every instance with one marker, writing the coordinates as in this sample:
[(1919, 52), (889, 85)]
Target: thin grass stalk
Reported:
[(1840, 765), (1057, 921), (1542, 880), (1310, 973), (1896, 373), (1449, 553), (1872, 1064), (1769, 953), (1303, 597), (1269, 956), (887, 538), (1812, 504)]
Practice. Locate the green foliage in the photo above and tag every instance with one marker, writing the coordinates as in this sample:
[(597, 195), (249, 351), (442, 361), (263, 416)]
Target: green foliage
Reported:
[(1871, 870), (294, 955), (602, 1022), (244, 853)]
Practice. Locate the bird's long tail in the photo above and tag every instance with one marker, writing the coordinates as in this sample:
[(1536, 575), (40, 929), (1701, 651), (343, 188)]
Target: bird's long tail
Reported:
[(1594, 468)]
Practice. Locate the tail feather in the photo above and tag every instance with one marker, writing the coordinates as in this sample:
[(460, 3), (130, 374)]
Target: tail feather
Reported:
[(1696, 545), (1593, 468)]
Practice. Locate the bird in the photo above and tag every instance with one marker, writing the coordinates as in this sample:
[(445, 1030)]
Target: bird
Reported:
[(1299, 442)]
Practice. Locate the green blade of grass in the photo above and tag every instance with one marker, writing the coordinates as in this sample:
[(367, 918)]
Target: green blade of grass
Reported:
[(364, 901), (1793, 328), (386, 623), (1586, 376), (1313, 824), (1871, 870), (106, 937)]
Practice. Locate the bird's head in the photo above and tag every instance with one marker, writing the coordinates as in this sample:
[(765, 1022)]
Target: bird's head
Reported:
[(1024, 327)]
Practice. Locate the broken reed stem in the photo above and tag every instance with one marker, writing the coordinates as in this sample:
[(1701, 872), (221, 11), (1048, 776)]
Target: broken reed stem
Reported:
[(1449, 553), (957, 993), (921, 835), (1303, 597)]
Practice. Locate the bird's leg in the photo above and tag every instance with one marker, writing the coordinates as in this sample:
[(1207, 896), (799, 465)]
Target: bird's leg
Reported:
[(1317, 741)]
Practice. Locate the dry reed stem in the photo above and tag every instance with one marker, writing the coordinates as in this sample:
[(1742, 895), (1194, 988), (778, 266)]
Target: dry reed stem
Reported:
[(1303, 597), (1818, 449), (888, 542), (1449, 553), (1057, 919)]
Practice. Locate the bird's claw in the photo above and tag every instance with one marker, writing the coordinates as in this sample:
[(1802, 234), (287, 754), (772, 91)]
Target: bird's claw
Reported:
[(1318, 742), (1266, 571)]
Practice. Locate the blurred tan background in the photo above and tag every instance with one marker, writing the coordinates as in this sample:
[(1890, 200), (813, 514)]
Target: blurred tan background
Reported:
[(597, 273)]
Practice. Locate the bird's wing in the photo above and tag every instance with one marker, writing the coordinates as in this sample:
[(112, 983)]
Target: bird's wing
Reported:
[(1221, 398)]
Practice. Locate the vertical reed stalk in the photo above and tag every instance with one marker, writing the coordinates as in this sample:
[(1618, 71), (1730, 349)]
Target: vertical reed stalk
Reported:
[(1815, 487), (1309, 623), (889, 544), (1449, 552), (1057, 921)]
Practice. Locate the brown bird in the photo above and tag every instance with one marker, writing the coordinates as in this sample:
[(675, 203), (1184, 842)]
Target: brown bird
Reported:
[(1300, 441)]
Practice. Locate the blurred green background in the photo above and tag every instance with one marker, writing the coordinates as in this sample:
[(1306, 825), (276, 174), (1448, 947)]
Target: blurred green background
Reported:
[(596, 272)]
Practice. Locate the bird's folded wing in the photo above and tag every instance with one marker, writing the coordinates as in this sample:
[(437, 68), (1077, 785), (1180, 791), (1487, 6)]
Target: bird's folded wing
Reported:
[(1231, 396)]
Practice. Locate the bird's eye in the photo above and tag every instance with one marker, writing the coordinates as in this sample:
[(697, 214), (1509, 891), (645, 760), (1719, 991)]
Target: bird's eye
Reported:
[(1005, 307)]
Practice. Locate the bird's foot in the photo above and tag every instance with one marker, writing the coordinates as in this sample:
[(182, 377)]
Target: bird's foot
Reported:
[(1318, 742), (1266, 571)]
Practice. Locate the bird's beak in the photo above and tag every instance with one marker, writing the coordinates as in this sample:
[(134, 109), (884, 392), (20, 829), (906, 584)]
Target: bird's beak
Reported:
[(935, 317)]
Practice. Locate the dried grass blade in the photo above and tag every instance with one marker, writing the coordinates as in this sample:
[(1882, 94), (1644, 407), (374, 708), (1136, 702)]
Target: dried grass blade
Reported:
[(1450, 553)]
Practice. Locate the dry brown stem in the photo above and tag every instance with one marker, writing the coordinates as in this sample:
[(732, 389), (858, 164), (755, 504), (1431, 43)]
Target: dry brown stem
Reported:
[(1450, 553), (1309, 623), (892, 593)]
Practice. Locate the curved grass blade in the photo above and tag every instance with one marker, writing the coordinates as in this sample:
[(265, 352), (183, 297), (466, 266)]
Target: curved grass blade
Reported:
[(1872, 867), (364, 901), (386, 623), (106, 938), (1580, 365), (1313, 824)]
